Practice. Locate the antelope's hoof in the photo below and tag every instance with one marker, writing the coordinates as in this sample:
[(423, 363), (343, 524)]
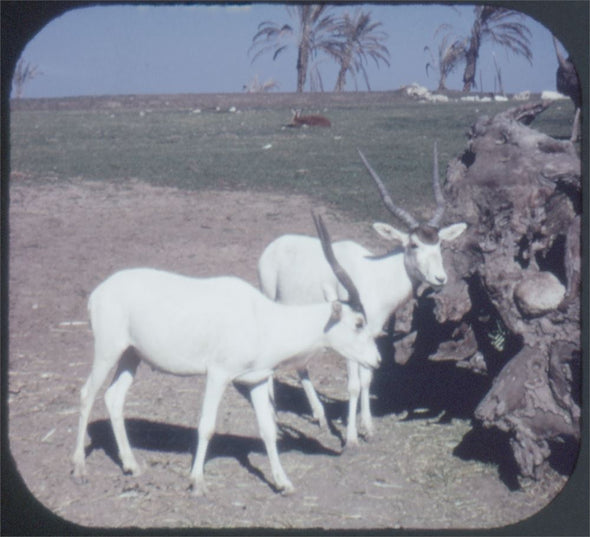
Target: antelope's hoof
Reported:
[(287, 490), (198, 490), (133, 470), (79, 478), (352, 444)]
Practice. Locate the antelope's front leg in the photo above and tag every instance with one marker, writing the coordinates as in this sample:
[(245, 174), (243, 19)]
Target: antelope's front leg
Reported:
[(366, 375), (268, 431), (354, 387)]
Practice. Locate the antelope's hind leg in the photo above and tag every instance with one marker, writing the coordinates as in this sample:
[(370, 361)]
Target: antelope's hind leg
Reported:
[(317, 408), (115, 400), (104, 360)]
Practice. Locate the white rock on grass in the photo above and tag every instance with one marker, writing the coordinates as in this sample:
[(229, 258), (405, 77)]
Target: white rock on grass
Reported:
[(548, 95), (522, 96), (415, 91), (438, 98)]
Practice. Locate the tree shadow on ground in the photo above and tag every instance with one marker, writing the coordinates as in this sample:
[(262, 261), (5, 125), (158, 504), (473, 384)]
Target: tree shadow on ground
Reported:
[(421, 389), (433, 388), (490, 446), (425, 390)]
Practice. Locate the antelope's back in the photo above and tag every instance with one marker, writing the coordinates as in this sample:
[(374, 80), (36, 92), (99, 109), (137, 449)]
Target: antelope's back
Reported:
[(175, 321), (293, 269)]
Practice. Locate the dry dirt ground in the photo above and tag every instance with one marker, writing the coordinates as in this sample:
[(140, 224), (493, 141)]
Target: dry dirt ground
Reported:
[(68, 236)]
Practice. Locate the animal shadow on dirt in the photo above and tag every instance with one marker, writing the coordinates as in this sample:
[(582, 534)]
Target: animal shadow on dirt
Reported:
[(164, 437)]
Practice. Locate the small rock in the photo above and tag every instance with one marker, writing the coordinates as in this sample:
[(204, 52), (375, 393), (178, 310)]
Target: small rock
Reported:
[(538, 293)]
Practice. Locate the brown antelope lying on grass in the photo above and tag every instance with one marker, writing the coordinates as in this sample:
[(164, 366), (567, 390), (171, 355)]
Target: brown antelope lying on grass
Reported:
[(308, 121)]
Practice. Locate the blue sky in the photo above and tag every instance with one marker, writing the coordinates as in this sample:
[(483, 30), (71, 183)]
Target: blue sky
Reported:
[(138, 49)]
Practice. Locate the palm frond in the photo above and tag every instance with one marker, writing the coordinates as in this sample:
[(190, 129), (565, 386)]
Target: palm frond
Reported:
[(504, 27), (279, 51), (360, 41), (270, 37)]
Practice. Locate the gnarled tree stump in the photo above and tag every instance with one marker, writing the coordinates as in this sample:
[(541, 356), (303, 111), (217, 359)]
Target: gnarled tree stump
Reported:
[(512, 305)]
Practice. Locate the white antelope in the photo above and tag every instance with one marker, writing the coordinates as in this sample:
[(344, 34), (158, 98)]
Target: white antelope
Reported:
[(292, 270), (222, 327)]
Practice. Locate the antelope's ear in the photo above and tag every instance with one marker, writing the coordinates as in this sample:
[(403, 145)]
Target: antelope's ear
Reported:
[(335, 316), (391, 234), (450, 233)]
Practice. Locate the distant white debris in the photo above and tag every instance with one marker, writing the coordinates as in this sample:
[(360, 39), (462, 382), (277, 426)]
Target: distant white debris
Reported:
[(267, 146), (416, 91), (232, 109), (420, 93), (522, 96), (548, 95), (437, 98), (482, 99)]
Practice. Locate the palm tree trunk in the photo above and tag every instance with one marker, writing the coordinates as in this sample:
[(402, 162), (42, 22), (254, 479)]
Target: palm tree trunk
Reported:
[(469, 73), (303, 52), (471, 58), (366, 80), (345, 60), (302, 61), (341, 80), (344, 67)]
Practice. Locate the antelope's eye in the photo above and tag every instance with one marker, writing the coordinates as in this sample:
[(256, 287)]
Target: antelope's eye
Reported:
[(413, 245), (360, 324)]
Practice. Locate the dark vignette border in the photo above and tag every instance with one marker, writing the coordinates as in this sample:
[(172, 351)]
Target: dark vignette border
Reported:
[(22, 514)]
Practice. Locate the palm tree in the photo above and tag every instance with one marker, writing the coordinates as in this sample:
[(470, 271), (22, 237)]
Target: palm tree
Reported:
[(23, 73), (314, 35), (359, 41), (501, 26), (451, 51)]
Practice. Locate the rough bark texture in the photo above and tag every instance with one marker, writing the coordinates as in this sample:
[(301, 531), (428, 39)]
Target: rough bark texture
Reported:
[(511, 309)]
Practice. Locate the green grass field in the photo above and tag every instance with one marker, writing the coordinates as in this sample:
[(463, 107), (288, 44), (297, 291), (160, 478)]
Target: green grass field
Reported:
[(223, 150)]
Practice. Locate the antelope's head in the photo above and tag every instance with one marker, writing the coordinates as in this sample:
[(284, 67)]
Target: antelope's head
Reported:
[(422, 243)]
